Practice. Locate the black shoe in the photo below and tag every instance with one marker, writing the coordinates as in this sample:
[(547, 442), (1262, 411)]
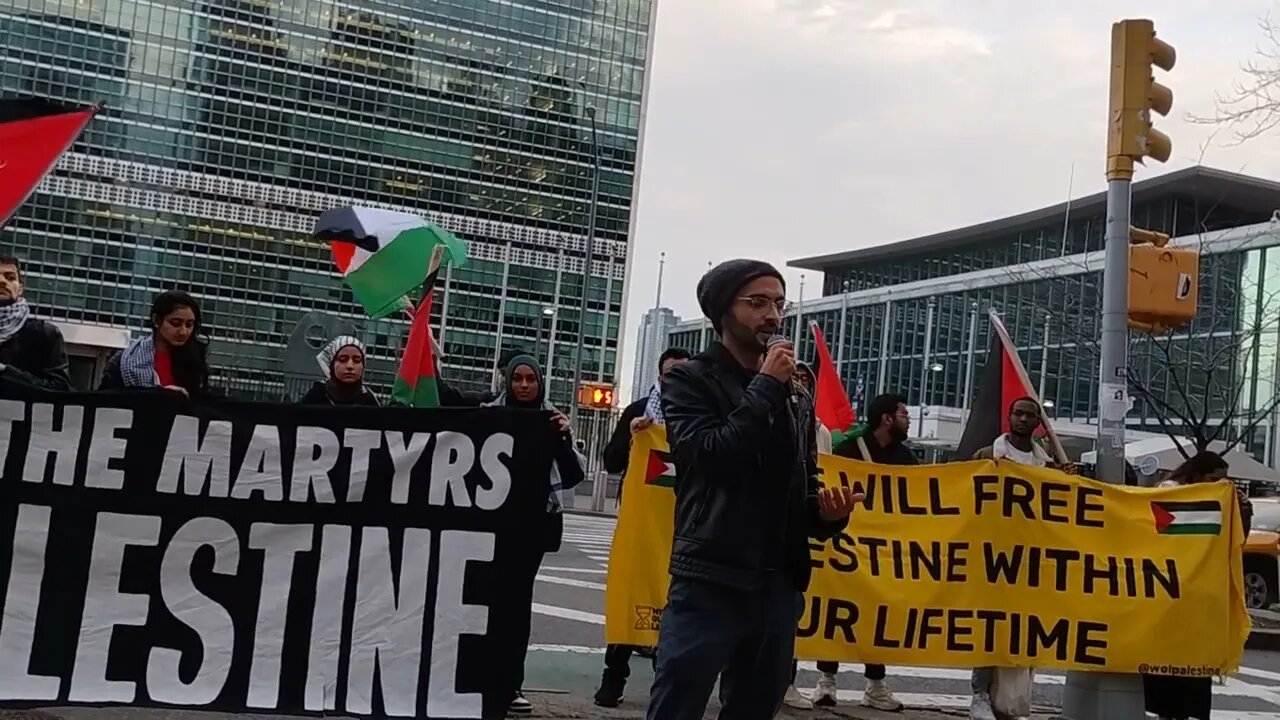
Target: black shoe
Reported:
[(610, 694)]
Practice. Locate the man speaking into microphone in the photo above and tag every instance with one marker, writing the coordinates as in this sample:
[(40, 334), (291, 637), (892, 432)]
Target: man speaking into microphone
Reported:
[(747, 500)]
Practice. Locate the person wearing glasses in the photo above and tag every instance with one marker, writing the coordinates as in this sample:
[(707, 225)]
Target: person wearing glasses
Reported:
[(747, 501)]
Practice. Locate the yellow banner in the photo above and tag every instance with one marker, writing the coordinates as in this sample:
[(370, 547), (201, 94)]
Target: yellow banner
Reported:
[(981, 564)]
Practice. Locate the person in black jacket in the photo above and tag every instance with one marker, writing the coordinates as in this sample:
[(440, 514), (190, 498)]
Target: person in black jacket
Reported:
[(31, 350), (747, 502), (172, 355), (341, 364)]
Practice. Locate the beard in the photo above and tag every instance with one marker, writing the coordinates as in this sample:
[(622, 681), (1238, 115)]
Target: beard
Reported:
[(898, 434), (746, 336)]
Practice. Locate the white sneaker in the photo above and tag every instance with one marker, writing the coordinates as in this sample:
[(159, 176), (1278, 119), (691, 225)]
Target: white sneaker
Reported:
[(824, 695), (796, 699), (980, 708), (879, 696), (520, 706)]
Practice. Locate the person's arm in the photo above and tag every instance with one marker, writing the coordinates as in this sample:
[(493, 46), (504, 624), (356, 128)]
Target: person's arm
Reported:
[(571, 464), (453, 397), (618, 450), (701, 437), (1246, 512), (52, 371)]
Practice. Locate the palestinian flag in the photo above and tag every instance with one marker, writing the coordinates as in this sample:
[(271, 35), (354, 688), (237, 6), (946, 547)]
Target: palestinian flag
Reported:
[(1000, 385), (831, 403), (383, 254), (33, 135), (1202, 517), (415, 384), (659, 470)]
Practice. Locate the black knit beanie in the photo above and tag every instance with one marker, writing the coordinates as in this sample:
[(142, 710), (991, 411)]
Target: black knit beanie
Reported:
[(718, 288)]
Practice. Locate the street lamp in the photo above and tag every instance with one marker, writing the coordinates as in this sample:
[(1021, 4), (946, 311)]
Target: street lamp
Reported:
[(934, 368), (586, 264), (548, 312)]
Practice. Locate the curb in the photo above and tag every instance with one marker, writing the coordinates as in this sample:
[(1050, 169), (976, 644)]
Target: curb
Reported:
[(1263, 639)]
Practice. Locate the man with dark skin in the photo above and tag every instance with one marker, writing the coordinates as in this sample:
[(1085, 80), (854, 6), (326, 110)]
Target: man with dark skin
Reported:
[(747, 500)]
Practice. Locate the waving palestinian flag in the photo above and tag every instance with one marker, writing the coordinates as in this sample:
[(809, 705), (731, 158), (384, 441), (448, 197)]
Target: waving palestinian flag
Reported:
[(33, 135), (384, 254)]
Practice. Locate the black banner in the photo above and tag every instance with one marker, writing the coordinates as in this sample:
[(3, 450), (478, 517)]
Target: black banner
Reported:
[(265, 558)]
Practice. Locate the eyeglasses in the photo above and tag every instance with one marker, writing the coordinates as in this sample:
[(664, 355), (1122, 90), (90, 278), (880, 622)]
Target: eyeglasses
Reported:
[(760, 302)]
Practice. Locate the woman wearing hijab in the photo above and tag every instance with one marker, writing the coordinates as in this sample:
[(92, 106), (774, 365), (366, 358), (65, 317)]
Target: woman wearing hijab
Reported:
[(171, 356), (526, 389), (342, 366), (1181, 698)]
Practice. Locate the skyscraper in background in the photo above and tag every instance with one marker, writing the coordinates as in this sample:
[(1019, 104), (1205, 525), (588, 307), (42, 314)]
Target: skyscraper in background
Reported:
[(651, 340), (230, 124)]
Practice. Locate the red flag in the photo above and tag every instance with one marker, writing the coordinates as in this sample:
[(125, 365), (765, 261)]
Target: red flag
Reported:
[(33, 134), (999, 387), (831, 404), (415, 384)]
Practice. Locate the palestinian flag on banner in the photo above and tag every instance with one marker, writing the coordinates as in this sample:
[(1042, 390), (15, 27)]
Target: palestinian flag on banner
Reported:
[(831, 402), (33, 135), (999, 387), (384, 254), (1202, 517), (659, 470)]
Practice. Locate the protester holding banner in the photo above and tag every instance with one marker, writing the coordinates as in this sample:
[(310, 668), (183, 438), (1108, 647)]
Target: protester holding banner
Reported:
[(1179, 698), (747, 500), (526, 389), (617, 658), (170, 356), (31, 350), (341, 364), (890, 423)]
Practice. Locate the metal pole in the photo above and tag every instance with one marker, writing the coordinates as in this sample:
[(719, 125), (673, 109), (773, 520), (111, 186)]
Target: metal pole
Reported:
[(928, 348), (551, 337), (706, 340), (1110, 696), (844, 323), (444, 304), (608, 311), (1044, 355), (795, 331), (502, 314), (882, 380), (586, 267), (973, 347)]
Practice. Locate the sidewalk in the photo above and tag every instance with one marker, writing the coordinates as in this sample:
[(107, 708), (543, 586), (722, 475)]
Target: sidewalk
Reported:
[(560, 705)]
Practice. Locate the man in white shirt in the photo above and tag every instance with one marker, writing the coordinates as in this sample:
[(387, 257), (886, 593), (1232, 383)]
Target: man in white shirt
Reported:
[(1019, 446)]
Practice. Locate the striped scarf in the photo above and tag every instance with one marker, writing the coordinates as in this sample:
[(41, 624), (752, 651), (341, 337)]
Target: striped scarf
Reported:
[(12, 317), (653, 408)]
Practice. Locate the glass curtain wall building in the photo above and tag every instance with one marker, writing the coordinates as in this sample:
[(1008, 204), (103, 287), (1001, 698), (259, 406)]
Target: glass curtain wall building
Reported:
[(912, 316), (228, 125)]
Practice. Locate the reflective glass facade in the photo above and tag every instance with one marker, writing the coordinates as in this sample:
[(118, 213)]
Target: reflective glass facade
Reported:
[(1225, 360), (228, 125)]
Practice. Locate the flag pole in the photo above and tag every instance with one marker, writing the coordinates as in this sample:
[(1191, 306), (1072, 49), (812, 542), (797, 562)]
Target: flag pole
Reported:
[(998, 325)]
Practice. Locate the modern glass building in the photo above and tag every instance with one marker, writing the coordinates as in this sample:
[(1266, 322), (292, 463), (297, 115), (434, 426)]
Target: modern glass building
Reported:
[(228, 125), (912, 316)]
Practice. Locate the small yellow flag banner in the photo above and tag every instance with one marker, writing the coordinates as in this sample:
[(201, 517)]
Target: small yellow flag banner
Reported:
[(980, 563)]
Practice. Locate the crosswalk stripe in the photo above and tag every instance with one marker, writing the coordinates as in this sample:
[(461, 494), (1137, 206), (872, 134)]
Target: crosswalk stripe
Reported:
[(570, 582), (568, 614)]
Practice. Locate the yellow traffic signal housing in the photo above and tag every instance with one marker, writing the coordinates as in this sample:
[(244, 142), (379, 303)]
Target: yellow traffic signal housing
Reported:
[(1135, 51), (595, 395), (1163, 287)]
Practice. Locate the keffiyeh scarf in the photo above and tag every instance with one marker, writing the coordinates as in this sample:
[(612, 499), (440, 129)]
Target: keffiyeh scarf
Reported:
[(12, 317), (653, 408), (138, 362), (325, 358)]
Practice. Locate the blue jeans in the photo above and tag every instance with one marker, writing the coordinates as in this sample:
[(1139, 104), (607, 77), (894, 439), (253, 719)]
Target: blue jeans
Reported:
[(746, 638)]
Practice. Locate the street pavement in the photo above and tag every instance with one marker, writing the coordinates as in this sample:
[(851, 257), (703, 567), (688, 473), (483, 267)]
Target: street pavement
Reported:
[(568, 645)]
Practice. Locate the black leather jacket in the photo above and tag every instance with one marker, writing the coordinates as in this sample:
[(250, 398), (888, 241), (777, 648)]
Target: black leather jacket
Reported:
[(719, 419), (36, 356)]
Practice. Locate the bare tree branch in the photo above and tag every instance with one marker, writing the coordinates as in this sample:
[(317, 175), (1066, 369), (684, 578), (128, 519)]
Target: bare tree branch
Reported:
[(1252, 107)]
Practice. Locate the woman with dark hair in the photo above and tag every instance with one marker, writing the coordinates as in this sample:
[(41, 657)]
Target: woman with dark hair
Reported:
[(342, 366), (171, 356), (1181, 698), (525, 388)]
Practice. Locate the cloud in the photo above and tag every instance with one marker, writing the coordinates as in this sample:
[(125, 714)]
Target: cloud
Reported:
[(784, 128)]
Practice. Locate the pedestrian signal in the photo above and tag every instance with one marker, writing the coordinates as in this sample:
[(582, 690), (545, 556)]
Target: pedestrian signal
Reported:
[(595, 395), (1163, 286)]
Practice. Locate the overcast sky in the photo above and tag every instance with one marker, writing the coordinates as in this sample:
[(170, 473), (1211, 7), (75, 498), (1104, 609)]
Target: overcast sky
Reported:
[(779, 129)]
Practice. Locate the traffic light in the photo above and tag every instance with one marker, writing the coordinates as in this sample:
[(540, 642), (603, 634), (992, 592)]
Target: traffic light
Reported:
[(595, 395), (1163, 282), (1135, 51)]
